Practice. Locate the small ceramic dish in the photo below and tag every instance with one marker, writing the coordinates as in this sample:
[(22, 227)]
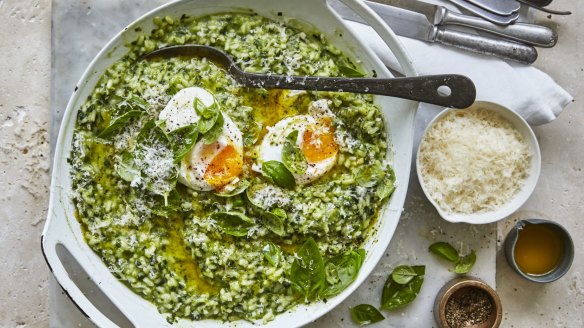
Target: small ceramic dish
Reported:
[(565, 260), (528, 185), (456, 288)]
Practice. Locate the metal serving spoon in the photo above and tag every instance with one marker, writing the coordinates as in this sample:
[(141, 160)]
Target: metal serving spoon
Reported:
[(455, 90)]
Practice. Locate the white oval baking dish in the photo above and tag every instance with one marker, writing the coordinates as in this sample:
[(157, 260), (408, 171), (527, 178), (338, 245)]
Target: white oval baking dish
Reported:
[(63, 230)]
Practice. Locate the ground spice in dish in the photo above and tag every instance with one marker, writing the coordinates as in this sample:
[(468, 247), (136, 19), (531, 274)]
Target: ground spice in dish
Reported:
[(467, 307)]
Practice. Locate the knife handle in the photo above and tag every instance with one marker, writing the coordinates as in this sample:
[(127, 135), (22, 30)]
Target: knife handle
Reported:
[(531, 34), (500, 48)]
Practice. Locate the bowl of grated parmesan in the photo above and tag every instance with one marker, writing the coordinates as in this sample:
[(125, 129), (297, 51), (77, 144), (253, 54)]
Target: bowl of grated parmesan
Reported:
[(478, 165)]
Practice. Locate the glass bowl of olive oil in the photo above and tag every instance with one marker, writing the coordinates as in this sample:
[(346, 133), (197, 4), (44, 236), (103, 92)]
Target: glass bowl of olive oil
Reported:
[(539, 250)]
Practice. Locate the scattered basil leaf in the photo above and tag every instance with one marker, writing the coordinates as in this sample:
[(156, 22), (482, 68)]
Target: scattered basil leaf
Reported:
[(232, 190), (126, 168), (233, 223), (272, 253), (365, 314), (396, 295), (403, 274), (370, 176), (206, 112), (213, 134), (341, 271), (292, 155), (350, 72), (252, 135), (444, 251), (205, 124), (279, 174), (119, 122), (307, 271), (183, 140), (465, 264)]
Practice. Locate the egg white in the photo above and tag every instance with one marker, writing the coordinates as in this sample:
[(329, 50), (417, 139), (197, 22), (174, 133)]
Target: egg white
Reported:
[(180, 112), (272, 145)]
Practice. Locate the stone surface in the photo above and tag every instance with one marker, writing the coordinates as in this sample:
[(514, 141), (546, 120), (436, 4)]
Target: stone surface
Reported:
[(559, 194), (24, 173), (25, 32)]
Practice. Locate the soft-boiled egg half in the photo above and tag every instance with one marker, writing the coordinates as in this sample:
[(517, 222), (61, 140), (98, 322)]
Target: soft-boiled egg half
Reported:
[(315, 139), (205, 167)]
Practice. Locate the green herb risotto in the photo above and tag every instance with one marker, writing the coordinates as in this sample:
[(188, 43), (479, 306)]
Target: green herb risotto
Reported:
[(215, 201)]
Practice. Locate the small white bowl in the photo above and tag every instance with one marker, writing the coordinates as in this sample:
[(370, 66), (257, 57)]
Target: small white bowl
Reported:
[(528, 186)]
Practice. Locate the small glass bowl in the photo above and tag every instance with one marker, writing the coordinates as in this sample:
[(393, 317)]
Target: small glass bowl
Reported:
[(567, 256)]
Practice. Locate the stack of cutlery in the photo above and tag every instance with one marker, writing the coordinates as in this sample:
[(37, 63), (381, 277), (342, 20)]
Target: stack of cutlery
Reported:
[(433, 23)]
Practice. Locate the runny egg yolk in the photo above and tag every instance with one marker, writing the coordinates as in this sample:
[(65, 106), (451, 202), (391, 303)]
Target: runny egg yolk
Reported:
[(318, 143), (224, 167)]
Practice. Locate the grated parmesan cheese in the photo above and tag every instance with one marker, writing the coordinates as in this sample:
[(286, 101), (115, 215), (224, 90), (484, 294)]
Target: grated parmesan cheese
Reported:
[(473, 161)]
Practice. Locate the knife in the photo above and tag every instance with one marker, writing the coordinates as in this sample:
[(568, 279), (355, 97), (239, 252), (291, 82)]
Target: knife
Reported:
[(416, 26), (531, 34)]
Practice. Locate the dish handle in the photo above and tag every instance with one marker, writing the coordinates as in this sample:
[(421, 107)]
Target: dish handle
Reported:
[(57, 234)]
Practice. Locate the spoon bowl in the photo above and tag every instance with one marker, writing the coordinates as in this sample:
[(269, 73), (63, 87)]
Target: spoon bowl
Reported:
[(449, 90)]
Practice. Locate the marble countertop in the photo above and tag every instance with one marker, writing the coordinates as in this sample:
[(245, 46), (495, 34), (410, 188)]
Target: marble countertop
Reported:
[(25, 119)]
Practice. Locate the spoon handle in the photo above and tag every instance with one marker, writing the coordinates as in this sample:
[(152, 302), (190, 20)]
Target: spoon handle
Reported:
[(455, 90)]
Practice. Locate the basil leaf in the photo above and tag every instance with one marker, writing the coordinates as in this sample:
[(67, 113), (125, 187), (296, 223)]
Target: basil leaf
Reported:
[(403, 274), (365, 314), (133, 103), (173, 205), (444, 251), (465, 264), (205, 124), (272, 253), (307, 271), (126, 167), (206, 112), (387, 186), (213, 134), (119, 122), (183, 140), (341, 271), (146, 131), (232, 190), (361, 253), (274, 221), (396, 295), (370, 176), (254, 196), (292, 155), (279, 174), (350, 72), (252, 135), (233, 223)]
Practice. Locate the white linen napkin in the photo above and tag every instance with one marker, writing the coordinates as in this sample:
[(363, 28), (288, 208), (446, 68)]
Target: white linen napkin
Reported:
[(524, 89)]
